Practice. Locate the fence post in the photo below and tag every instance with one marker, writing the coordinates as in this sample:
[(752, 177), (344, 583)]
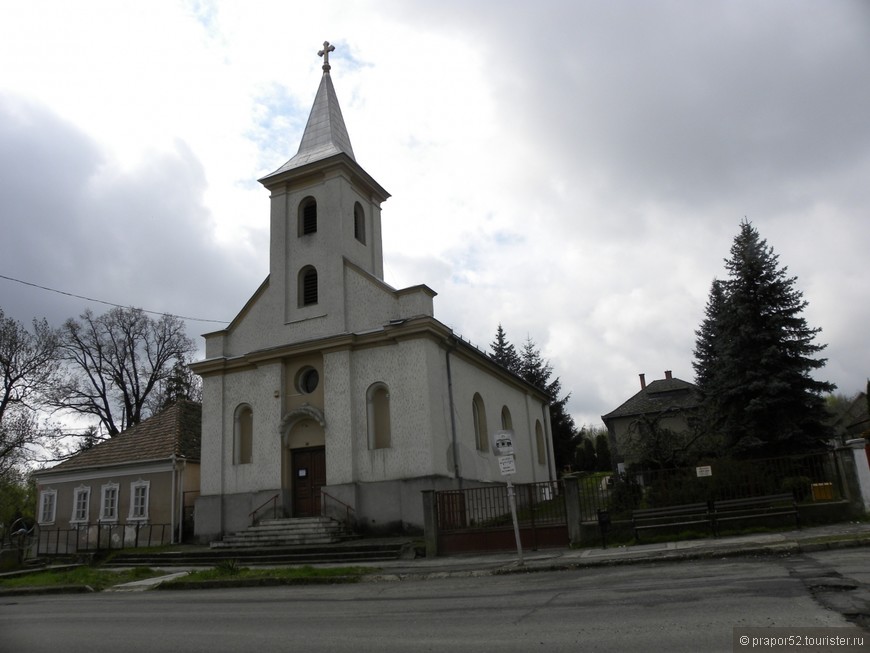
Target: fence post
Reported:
[(853, 462), (533, 503), (430, 523), (572, 508)]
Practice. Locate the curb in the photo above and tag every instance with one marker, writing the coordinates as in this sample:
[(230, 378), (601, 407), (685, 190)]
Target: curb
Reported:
[(254, 582), (52, 589)]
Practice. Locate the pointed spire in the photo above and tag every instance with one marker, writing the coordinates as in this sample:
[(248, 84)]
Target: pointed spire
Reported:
[(325, 134)]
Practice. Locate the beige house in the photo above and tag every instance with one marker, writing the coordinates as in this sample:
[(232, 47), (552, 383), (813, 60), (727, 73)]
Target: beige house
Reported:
[(334, 393), (668, 404), (134, 489)]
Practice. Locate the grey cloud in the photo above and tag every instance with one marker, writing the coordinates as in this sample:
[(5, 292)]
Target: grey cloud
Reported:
[(75, 222)]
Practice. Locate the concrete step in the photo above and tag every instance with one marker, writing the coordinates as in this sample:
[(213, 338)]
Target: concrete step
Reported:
[(285, 532)]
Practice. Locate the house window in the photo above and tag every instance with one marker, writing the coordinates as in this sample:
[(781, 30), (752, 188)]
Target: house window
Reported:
[(47, 506), (359, 223), (541, 445), (244, 435), (109, 502), (81, 505), (478, 413), (307, 286), (139, 491), (507, 423), (308, 216), (378, 408)]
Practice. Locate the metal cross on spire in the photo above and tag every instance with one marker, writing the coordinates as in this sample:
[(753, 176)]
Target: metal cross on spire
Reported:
[(327, 48)]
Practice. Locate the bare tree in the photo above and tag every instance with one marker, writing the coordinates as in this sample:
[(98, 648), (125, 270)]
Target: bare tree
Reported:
[(116, 360), (28, 370)]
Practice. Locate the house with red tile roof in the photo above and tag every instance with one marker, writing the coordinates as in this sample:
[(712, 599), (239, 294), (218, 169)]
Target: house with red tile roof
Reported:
[(136, 489)]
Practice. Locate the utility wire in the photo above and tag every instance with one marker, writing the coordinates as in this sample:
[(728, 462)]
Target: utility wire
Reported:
[(100, 301)]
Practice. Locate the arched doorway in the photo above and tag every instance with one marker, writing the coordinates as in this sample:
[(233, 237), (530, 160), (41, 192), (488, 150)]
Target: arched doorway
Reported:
[(303, 461)]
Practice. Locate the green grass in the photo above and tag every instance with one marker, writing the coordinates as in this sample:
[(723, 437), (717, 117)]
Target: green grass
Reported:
[(230, 569), (97, 579)]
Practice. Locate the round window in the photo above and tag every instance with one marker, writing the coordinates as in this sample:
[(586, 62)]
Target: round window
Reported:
[(307, 380)]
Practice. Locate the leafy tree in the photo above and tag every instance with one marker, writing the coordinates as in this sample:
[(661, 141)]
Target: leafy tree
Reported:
[(116, 361), (584, 454), (504, 353), (602, 453), (17, 499), (28, 369), (754, 355)]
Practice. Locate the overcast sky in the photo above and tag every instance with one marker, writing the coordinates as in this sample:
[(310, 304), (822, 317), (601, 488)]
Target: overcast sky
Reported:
[(576, 171)]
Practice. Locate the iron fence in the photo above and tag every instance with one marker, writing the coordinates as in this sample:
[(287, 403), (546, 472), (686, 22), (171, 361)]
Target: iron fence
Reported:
[(810, 478), (538, 504), (99, 537)]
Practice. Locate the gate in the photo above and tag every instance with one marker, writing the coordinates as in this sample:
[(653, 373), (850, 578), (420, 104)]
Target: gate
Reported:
[(479, 519)]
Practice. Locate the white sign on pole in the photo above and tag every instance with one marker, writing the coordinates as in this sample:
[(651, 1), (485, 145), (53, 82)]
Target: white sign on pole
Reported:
[(703, 470), (502, 443), (507, 465)]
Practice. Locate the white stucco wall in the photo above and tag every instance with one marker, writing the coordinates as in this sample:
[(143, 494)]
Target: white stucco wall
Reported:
[(222, 395), (468, 379)]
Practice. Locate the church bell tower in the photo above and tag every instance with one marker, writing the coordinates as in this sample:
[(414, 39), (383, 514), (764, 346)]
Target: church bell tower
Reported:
[(325, 212)]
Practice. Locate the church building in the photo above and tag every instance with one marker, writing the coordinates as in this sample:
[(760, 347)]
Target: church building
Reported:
[(332, 392)]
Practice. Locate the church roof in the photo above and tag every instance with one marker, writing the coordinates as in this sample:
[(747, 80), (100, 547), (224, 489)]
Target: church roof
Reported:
[(325, 134), (175, 430)]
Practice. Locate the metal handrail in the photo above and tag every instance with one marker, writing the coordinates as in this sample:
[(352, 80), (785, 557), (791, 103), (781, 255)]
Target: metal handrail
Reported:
[(348, 509), (273, 501)]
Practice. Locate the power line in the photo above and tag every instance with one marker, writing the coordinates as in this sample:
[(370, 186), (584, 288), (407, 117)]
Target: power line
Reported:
[(100, 301)]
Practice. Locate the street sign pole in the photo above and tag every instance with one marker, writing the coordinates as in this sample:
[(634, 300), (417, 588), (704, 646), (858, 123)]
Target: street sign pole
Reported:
[(513, 503), (503, 447)]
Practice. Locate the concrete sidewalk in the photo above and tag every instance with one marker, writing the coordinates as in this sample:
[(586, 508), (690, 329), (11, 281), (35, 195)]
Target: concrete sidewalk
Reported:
[(797, 541), (793, 542)]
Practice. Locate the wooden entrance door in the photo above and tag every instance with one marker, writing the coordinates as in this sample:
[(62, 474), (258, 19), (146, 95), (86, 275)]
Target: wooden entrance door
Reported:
[(309, 475)]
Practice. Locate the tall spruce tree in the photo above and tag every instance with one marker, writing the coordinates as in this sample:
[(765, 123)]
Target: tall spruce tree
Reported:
[(531, 366), (754, 355), (503, 352), (537, 371)]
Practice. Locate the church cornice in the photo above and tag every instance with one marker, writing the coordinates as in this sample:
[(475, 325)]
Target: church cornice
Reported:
[(423, 326), (316, 170)]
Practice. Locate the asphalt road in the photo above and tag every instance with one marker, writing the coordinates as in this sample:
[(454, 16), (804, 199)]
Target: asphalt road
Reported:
[(686, 606)]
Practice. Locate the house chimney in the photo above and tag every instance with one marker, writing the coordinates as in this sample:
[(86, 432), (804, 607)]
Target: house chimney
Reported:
[(642, 381), (668, 375)]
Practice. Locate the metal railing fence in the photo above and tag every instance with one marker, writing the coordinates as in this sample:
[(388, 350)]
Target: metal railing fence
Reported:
[(538, 504), (811, 478), (99, 537)]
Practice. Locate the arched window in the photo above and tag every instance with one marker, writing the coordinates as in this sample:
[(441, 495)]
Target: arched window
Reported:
[(308, 216), (507, 423), (541, 445), (243, 441), (307, 286), (478, 413), (359, 223), (378, 409)]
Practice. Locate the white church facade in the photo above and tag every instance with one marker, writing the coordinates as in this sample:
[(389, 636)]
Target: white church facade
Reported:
[(333, 391)]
